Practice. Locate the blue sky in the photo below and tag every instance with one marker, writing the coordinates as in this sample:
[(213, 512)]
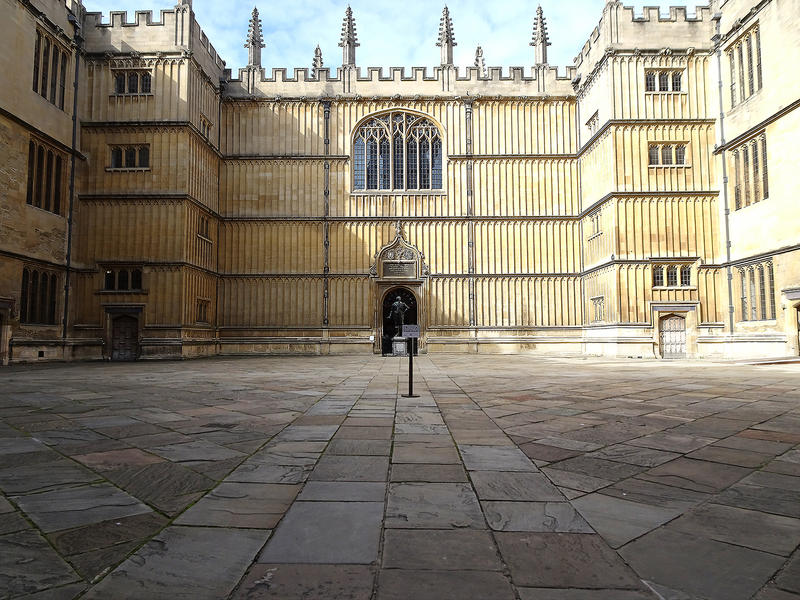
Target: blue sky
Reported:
[(391, 33)]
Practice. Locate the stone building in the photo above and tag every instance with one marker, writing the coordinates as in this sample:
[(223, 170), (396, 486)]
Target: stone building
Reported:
[(639, 203)]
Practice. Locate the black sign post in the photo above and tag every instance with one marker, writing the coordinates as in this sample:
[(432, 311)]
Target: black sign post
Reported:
[(411, 333)]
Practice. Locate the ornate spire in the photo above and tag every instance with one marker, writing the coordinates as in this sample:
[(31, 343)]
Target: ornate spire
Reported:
[(255, 41), (540, 40), (316, 65), (349, 41), (479, 63), (447, 38)]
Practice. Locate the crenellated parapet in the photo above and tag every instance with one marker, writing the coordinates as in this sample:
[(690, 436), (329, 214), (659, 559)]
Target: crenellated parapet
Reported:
[(622, 29), (176, 31), (401, 82)]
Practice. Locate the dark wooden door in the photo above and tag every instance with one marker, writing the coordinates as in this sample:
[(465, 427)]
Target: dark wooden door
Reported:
[(125, 339), (673, 337)]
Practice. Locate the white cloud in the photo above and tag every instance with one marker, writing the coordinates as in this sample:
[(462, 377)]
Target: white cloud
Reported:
[(390, 33)]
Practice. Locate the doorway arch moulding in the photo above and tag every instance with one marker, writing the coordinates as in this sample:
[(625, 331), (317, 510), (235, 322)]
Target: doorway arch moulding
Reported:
[(398, 264)]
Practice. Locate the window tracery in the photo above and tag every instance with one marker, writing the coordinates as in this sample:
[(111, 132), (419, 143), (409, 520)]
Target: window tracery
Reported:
[(397, 151)]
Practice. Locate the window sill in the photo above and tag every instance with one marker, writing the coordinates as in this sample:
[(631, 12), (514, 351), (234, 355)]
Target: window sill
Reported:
[(594, 236), (669, 166), (137, 95), (38, 324), (668, 93), (126, 292), (396, 192), (127, 169), (663, 288), (49, 212), (735, 210), (204, 238)]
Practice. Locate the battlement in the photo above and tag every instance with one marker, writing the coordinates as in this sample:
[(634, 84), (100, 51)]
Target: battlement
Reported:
[(621, 27), (399, 81), (175, 30)]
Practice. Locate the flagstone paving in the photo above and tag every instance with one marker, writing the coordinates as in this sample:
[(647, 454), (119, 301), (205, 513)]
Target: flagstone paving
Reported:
[(313, 478)]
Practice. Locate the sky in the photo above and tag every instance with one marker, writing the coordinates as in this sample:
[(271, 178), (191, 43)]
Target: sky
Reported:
[(391, 33)]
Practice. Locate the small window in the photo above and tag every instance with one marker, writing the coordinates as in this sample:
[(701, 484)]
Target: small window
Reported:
[(133, 83), (676, 81), (666, 154), (130, 158), (136, 279), (144, 157), (686, 276), (680, 154), (653, 155), (658, 276), (672, 276), (116, 158), (119, 83), (650, 81), (663, 82), (109, 282), (146, 83)]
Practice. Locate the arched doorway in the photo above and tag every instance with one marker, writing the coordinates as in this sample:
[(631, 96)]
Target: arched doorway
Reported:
[(673, 337), (125, 338), (797, 315), (411, 318)]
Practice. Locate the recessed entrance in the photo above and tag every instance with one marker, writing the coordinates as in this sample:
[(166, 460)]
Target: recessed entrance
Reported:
[(389, 326), (797, 315), (673, 337), (125, 338), (3, 340)]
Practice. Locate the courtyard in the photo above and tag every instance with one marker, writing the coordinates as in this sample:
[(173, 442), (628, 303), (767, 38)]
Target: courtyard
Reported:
[(509, 477)]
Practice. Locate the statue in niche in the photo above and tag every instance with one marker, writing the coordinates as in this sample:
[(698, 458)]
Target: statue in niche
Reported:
[(397, 313)]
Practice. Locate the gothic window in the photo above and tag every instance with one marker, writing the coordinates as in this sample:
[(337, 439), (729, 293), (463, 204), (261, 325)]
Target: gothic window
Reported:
[(62, 85), (397, 151), (54, 75), (49, 69), (598, 309), (663, 81), (732, 62), (746, 171), (650, 81), (130, 157), (36, 54), (737, 181), (740, 57), (771, 279), (39, 297), (753, 311), (122, 280), (743, 286), (45, 177), (764, 179), (203, 310), (680, 154), (686, 276), (750, 75), (133, 83), (658, 276), (762, 288), (676, 81), (666, 154), (45, 67), (653, 155), (672, 276)]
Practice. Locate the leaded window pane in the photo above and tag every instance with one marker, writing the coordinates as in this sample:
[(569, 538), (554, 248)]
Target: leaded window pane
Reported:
[(359, 181), (136, 279), (45, 67), (658, 276), (680, 155), (63, 81), (764, 178), (653, 155), (399, 157), (411, 164), (737, 187), (372, 164), (666, 154), (743, 285), (31, 171), (133, 83), (383, 163), (144, 157), (753, 307), (750, 75), (57, 186), (756, 174), (116, 158), (24, 296), (771, 275), (663, 82), (650, 81), (436, 168), (54, 75), (762, 289), (686, 276), (740, 56), (122, 280), (147, 83), (51, 315), (109, 281), (48, 181), (36, 50), (33, 305), (119, 83), (41, 316), (672, 276), (746, 171), (676, 81), (424, 165)]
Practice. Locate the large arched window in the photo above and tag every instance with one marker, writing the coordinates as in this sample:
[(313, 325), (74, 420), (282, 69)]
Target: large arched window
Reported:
[(397, 151)]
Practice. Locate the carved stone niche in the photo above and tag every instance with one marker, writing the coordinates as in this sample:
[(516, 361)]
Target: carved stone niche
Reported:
[(399, 261)]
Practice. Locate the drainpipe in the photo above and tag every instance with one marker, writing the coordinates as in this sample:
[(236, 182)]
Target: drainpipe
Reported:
[(726, 203), (78, 41)]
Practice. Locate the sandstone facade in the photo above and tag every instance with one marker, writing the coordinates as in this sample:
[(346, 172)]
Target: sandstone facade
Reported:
[(608, 208)]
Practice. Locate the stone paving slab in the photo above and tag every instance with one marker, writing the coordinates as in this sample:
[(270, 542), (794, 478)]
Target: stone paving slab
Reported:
[(29, 565), (565, 484), (170, 561)]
